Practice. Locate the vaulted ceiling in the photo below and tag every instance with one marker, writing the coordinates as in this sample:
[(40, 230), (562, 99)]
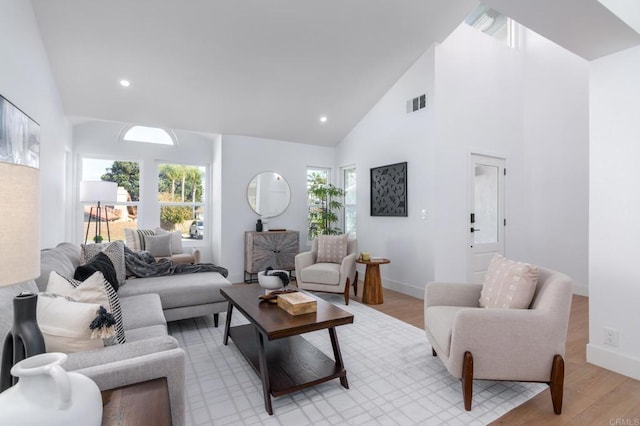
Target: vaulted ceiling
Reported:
[(269, 68)]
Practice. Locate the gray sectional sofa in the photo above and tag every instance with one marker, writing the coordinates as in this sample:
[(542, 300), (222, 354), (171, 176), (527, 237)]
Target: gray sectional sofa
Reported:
[(147, 304)]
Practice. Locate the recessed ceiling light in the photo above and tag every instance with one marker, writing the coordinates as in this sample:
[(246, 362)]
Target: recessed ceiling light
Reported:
[(323, 119), (125, 83)]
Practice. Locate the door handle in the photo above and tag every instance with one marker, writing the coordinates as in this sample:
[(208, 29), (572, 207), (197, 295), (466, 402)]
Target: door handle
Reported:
[(475, 230)]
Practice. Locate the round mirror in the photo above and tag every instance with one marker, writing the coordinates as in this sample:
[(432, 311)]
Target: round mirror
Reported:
[(268, 194)]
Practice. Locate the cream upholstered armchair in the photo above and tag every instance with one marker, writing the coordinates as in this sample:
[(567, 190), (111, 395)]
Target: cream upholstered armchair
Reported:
[(501, 344), (329, 267)]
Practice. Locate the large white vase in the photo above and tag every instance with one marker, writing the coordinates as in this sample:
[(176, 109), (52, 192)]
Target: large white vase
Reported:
[(46, 394)]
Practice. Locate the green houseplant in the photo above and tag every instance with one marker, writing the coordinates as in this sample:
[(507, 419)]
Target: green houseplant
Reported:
[(324, 206)]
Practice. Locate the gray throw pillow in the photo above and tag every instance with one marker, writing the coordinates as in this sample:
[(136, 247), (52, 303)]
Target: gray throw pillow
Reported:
[(158, 245)]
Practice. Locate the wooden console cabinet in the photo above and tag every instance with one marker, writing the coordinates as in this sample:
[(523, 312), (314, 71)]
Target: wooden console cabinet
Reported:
[(277, 249)]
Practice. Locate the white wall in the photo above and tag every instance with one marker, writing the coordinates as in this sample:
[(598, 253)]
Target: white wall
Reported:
[(479, 98), (556, 159), (483, 98), (388, 135), (26, 80), (242, 157), (614, 229), (100, 139)]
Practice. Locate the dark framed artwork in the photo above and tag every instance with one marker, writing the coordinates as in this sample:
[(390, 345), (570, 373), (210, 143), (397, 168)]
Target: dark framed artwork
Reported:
[(389, 190), (19, 136)]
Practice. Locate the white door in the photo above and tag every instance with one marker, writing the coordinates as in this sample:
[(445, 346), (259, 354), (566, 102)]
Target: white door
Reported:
[(486, 214)]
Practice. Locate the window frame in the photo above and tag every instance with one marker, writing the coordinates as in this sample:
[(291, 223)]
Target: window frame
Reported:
[(312, 169), (345, 206)]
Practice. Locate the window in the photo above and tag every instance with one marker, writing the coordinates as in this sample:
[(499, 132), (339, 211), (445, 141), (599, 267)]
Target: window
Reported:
[(124, 213), (149, 135), (349, 184), (181, 194), (315, 204), (493, 23)]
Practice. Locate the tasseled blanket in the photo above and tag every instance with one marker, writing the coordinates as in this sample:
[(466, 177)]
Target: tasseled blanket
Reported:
[(142, 265)]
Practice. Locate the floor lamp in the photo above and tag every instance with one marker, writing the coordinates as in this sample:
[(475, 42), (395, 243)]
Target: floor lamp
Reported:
[(96, 192), (20, 257)]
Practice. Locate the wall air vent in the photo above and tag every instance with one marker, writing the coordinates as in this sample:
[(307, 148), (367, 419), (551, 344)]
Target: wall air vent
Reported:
[(416, 104)]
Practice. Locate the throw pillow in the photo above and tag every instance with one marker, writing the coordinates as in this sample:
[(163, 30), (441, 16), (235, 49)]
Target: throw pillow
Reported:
[(135, 237), (115, 251), (508, 284), (102, 263), (95, 289), (158, 245), (331, 248), (65, 323), (176, 240)]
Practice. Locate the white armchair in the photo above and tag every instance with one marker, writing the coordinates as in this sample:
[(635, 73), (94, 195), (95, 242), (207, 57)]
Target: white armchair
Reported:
[(501, 344), (327, 277)]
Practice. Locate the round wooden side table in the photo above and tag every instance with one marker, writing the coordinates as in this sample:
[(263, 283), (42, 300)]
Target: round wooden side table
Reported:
[(372, 293)]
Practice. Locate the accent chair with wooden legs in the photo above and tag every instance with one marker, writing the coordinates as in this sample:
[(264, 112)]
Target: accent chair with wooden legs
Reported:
[(526, 345), (329, 267)]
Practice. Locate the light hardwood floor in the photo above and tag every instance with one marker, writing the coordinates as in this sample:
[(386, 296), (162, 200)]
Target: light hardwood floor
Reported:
[(592, 395)]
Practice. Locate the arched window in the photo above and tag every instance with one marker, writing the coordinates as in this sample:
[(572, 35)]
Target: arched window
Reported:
[(149, 135)]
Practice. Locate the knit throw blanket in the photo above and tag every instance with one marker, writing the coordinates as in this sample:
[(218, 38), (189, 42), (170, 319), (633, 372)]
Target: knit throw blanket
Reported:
[(142, 265)]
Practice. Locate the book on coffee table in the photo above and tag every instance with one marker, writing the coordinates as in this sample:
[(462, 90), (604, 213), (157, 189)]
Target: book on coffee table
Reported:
[(297, 303)]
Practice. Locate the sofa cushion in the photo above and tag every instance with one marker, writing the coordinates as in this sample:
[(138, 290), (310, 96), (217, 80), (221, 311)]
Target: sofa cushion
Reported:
[(158, 245), (440, 320), (148, 332), (142, 310), (176, 240), (101, 263), (53, 260), (94, 289), (65, 323), (323, 273), (179, 290), (115, 251), (331, 248), (508, 284)]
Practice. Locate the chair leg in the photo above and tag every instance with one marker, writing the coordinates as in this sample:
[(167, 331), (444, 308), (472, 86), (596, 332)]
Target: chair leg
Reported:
[(556, 383), (347, 287), (355, 285), (433, 352), (467, 379)]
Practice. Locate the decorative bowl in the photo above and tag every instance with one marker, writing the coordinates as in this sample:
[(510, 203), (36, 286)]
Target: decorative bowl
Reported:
[(270, 282)]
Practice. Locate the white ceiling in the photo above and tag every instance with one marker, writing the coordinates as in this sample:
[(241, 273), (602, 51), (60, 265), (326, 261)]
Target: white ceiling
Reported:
[(270, 68)]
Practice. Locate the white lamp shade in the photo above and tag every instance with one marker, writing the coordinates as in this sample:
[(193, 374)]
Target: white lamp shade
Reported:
[(20, 213), (92, 191)]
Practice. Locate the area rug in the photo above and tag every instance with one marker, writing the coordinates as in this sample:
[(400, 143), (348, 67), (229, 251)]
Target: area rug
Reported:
[(393, 379)]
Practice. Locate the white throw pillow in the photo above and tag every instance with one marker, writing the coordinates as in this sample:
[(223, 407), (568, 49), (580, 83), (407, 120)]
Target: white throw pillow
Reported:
[(158, 245), (508, 284), (95, 289), (176, 240), (65, 323), (331, 248)]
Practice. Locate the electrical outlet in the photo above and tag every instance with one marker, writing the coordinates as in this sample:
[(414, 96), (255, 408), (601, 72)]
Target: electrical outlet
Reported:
[(610, 336)]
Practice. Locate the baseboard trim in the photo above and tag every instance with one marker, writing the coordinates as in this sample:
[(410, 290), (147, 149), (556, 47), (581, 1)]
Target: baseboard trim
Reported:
[(404, 288), (614, 361)]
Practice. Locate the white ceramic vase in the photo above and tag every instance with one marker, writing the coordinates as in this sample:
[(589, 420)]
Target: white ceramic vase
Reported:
[(48, 395)]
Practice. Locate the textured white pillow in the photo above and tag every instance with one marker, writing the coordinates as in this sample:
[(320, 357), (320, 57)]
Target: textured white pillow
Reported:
[(332, 248), (95, 289), (508, 284), (176, 240), (158, 245), (65, 323)]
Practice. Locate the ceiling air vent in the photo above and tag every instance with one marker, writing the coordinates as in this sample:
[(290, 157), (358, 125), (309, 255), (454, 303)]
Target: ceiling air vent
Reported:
[(416, 104)]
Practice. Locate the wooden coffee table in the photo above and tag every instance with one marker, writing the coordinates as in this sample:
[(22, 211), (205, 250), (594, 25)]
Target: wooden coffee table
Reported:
[(272, 344)]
